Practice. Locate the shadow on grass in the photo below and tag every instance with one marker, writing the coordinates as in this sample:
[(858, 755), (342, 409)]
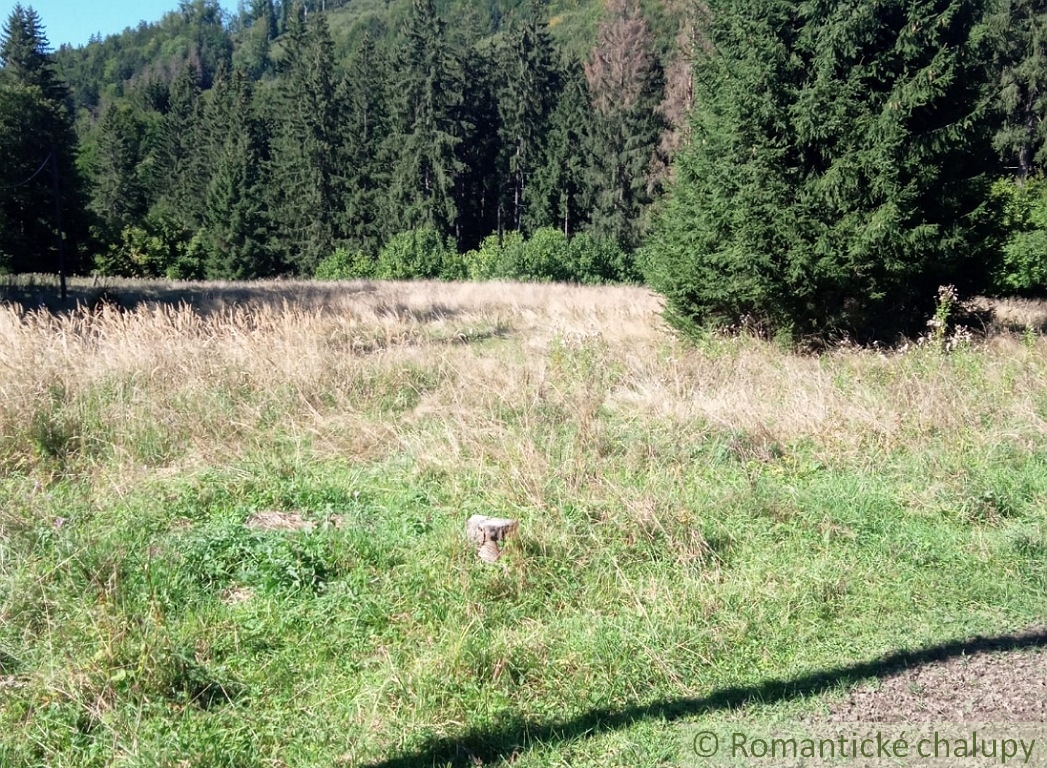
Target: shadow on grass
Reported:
[(481, 746), (41, 292)]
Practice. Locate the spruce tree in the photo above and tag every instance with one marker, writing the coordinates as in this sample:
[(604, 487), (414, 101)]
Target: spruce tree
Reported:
[(40, 151), (119, 192), (624, 82), (526, 96), (306, 149), (835, 175), (559, 191), (183, 154), (425, 129), (1019, 29), (365, 126), (478, 189), (235, 233)]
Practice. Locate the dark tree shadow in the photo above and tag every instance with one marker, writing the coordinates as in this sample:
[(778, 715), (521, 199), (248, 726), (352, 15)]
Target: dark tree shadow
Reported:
[(481, 746), (39, 293)]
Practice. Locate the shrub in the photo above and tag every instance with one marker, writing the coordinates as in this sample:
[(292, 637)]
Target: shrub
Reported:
[(342, 265), (1023, 268), (491, 260), (545, 256), (158, 248), (594, 261), (418, 253)]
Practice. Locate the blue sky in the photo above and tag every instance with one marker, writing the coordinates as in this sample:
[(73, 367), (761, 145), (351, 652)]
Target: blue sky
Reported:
[(74, 21)]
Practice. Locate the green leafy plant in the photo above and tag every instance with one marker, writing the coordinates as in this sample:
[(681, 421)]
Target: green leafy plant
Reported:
[(418, 253), (343, 265), (1023, 267)]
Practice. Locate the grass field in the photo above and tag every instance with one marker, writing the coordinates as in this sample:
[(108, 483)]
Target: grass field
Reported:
[(232, 530)]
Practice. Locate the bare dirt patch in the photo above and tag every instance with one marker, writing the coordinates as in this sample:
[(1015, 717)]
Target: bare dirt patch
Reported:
[(1000, 687), (278, 521)]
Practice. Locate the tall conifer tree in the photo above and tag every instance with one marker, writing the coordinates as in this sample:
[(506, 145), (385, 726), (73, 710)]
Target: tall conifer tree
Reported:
[(40, 150), (559, 191), (836, 171), (306, 150), (526, 96), (1020, 35), (365, 126), (624, 83), (235, 233), (426, 132)]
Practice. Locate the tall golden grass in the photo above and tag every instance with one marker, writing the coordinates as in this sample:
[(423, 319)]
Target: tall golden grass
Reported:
[(467, 373)]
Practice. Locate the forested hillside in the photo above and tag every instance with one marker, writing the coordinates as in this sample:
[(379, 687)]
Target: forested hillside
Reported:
[(370, 139), (846, 159)]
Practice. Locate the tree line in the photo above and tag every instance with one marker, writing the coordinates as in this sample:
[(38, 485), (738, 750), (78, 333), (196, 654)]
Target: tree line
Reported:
[(231, 163), (811, 169)]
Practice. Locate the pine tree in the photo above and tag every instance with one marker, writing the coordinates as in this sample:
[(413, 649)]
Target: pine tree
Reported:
[(365, 126), (624, 80), (835, 175), (234, 233), (1020, 37), (426, 133), (39, 145), (306, 150), (526, 96), (558, 192)]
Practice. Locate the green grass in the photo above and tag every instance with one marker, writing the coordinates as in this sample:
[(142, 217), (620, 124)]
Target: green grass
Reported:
[(668, 569)]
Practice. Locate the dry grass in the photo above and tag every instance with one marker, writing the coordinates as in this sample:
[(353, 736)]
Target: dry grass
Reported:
[(455, 373)]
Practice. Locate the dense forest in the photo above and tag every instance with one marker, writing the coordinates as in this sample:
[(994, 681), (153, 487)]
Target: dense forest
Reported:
[(819, 165), (238, 148)]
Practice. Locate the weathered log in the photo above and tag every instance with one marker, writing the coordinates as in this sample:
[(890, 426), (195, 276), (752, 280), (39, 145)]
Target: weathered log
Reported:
[(488, 533)]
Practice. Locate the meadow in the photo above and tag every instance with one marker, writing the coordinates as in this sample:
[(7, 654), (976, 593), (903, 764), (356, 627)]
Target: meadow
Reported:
[(232, 522)]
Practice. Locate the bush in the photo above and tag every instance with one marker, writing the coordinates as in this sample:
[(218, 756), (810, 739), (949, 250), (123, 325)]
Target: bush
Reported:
[(545, 257), (341, 265), (548, 256), (158, 248), (1023, 268), (418, 253), (594, 261)]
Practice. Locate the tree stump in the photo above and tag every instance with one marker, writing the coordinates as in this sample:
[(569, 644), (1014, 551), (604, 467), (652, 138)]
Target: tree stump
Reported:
[(488, 533)]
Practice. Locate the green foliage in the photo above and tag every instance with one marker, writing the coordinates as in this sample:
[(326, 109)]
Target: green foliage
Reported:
[(558, 191), (426, 129), (118, 161), (418, 253), (595, 261), (837, 171), (227, 554), (1019, 30), (306, 147), (345, 265), (544, 257), (366, 124), (39, 176), (548, 256), (526, 95), (145, 251), (490, 260), (235, 226), (625, 86), (1023, 267)]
